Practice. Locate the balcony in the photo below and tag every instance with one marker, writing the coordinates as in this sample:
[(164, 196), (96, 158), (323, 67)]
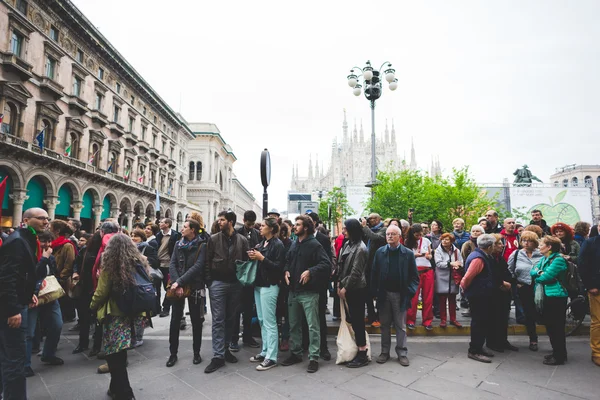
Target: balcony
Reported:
[(153, 152), (99, 118), (162, 158), (13, 63), (52, 88), (77, 104), (143, 145), (172, 164), (116, 129), (131, 139)]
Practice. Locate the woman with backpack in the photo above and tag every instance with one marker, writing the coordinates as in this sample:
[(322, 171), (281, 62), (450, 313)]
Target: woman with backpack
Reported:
[(121, 262), (186, 277)]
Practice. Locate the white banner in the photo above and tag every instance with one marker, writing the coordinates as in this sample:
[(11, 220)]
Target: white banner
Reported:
[(559, 204), (357, 196)]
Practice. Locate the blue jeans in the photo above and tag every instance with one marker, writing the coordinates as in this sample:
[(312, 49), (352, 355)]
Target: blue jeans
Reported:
[(266, 305), (12, 360), (224, 304), (51, 319)]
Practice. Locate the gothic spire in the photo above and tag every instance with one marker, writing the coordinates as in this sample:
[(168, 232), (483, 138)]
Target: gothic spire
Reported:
[(387, 132), (393, 133), (354, 133), (413, 157), (310, 168), (345, 127), (362, 133), (317, 171)]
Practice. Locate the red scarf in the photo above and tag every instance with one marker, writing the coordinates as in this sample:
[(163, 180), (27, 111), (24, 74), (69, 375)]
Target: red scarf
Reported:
[(38, 251), (60, 241)]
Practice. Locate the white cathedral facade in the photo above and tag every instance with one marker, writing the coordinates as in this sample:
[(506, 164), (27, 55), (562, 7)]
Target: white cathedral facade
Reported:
[(350, 164)]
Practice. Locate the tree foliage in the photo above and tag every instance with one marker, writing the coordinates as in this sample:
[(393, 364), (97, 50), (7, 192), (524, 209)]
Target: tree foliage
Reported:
[(334, 207), (437, 197)]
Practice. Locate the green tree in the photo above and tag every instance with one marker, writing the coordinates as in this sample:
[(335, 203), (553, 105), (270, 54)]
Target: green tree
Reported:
[(334, 207), (437, 197)]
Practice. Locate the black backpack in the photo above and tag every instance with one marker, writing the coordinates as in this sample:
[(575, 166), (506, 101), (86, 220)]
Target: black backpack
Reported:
[(138, 297)]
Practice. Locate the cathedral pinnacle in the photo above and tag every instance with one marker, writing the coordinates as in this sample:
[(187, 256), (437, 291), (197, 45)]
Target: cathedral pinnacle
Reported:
[(345, 127), (413, 157), (362, 133)]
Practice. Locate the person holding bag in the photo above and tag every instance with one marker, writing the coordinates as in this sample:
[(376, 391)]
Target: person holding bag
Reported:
[(352, 287), (270, 254), (550, 272), (186, 273), (449, 270)]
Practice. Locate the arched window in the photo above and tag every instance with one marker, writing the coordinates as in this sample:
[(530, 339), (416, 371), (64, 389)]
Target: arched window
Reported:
[(113, 162), (9, 122), (141, 172), (221, 180), (192, 171), (162, 183), (199, 171), (170, 188), (588, 181), (95, 155), (153, 179), (74, 144), (127, 172), (565, 182), (47, 126), (575, 181)]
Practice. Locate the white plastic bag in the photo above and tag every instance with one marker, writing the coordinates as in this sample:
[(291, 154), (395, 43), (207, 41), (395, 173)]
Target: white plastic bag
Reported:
[(346, 343)]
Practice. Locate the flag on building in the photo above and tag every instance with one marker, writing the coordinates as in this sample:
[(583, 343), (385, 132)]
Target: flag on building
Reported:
[(157, 205), (40, 138), (68, 151), (127, 173), (1, 118), (2, 190), (141, 179), (170, 190), (91, 161), (110, 166)]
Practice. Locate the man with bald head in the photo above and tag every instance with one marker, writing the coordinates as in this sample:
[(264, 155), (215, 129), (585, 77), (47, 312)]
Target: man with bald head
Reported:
[(19, 255), (394, 282)]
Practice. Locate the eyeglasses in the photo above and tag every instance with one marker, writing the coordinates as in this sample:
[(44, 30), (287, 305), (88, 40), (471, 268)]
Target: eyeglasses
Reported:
[(42, 218), (391, 234)]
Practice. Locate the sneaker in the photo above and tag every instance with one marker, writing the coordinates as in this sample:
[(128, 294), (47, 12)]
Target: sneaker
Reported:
[(214, 365), (266, 365), (291, 360), (230, 358), (403, 360), (285, 345), (327, 312), (428, 328), (103, 369), (257, 358), (480, 358), (164, 314), (29, 372), (313, 366), (250, 342), (410, 326), (376, 324), (52, 360), (138, 343), (234, 347), (443, 324), (533, 346), (383, 358), (456, 324)]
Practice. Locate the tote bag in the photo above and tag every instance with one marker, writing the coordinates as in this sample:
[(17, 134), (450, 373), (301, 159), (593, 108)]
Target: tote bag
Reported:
[(346, 344), (52, 291), (246, 271)]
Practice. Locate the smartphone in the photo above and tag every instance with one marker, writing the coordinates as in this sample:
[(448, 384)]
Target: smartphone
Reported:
[(411, 209)]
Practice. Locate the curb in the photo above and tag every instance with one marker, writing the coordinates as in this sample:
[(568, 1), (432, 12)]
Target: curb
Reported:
[(584, 330)]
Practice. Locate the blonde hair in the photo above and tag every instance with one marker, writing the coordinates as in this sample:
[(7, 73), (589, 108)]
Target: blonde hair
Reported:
[(196, 216), (530, 236), (455, 220)]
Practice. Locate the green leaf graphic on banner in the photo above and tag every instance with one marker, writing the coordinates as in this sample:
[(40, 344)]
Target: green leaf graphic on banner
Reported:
[(560, 196)]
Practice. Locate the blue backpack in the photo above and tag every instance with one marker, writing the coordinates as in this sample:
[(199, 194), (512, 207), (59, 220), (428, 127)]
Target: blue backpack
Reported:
[(140, 296)]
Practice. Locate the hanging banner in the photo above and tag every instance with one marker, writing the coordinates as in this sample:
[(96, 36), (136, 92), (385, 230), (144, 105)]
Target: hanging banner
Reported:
[(557, 204)]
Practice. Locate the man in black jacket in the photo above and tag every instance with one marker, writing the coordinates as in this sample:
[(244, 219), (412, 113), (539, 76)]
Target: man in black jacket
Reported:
[(166, 240), (247, 301), (537, 218), (589, 270), (19, 255), (306, 269), (374, 238)]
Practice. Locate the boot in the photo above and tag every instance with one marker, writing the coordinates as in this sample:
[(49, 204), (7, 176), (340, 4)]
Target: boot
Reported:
[(360, 360)]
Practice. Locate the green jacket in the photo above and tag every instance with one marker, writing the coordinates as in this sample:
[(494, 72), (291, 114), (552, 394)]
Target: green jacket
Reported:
[(551, 272), (103, 301)]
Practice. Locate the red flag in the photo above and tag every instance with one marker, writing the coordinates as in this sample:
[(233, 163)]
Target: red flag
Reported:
[(2, 190)]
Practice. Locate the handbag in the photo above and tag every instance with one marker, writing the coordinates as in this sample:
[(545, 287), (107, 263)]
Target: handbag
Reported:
[(155, 273), (51, 292), (346, 342), (74, 288), (246, 271), (187, 289)]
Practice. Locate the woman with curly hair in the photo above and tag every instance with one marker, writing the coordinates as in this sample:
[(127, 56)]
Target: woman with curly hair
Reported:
[(570, 248), (121, 261), (582, 232)]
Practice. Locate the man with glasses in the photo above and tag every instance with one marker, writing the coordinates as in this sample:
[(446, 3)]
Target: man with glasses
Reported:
[(493, 225), (19, 256), (394, 282), (374, 235)]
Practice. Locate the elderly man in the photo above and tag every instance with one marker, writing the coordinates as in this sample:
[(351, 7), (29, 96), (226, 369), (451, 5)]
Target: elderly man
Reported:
[(477, 285), (374, 235), (589, 269), (494, 226), (19, 256), (394, 282)]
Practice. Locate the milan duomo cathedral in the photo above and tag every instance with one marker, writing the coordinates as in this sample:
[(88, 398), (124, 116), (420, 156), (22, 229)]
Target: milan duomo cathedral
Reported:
[(350, 163)]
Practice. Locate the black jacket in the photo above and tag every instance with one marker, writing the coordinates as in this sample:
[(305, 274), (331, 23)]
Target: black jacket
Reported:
[(543, 225), (85, 271), (307, 255), (17, 272), (374, 241), (174, 238), (150, 252), (187, 264), (252, 236), (222, 253), (270, 270), (589, 263)]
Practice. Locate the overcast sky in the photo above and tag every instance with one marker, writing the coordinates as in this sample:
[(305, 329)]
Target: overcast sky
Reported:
[(490, 84)]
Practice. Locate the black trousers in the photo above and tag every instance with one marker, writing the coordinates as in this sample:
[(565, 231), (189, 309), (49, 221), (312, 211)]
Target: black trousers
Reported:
[(67, 308), (246, 310), (166, 305), (356, 308), (196, 306), (119, 380), (554, 317), (480, 322), (85, 318), (498, 319), (526, 296)]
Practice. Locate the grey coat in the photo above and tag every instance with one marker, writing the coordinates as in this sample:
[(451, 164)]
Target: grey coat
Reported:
[(444, 284), (521, 270), (352, 264)]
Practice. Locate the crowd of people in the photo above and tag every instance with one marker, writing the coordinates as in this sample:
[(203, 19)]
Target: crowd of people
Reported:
[(380, 273)]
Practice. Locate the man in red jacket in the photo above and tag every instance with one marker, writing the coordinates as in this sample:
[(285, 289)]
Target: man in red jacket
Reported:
[(511, 237)]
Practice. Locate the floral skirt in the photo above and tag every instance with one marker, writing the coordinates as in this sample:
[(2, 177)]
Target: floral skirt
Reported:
[(118, 332)]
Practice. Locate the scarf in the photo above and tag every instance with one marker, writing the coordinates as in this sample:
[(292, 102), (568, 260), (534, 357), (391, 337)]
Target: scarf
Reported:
[(38, 250), (186, 244), (59, 241)]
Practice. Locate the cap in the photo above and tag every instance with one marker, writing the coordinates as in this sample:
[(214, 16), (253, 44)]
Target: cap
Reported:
[(274, 211)]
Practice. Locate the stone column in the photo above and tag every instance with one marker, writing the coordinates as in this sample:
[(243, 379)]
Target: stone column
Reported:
[(97, 217), (18, 197), (77, 207), (51, 203), (129, 218), (114, 212)]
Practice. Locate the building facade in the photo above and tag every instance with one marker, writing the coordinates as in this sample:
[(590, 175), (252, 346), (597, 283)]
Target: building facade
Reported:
[(580, 176), (83, 135)]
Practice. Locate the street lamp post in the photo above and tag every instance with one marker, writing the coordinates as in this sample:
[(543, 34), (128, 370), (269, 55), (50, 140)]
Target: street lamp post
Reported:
[(373, 90)]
